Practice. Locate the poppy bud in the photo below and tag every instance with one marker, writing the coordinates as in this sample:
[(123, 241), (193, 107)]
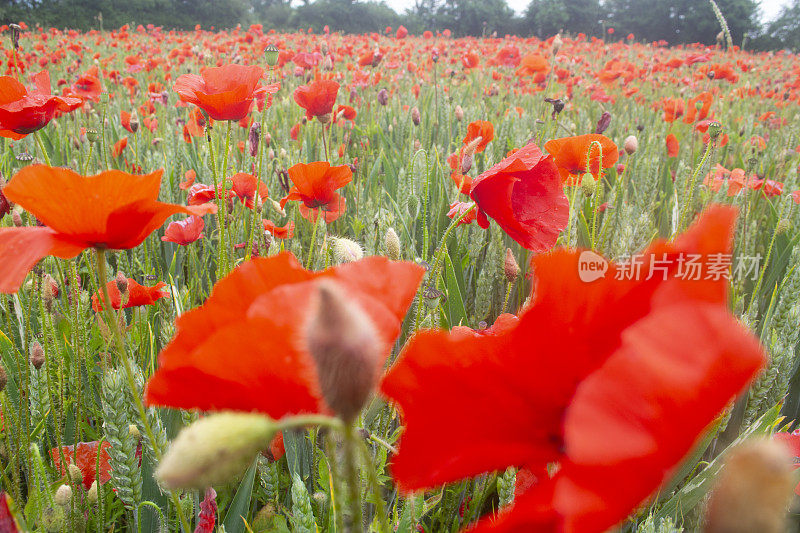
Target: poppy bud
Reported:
[(271, 54), (588, 185), (603, 123), (36, 356), (91, 494), (466, 162), (415, 118), (134, 124), (630, 145), (122, 283), (324, 48), (710, 75), (214, 449), (74, 473), (346, 251), (510, 267), (16, 218), (383, 97), (52, 518), (557, 43), (459, 113), (392, 244), (346, 348), (753, 489), (253, 137), (63, 495)]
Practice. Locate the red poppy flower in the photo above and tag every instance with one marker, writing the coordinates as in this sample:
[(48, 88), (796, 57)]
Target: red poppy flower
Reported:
[(118, 147), (225, 93), (85, 458), (188, 179), (525, 196), (457, 209), (638, 367), (480, 128), (532, 64), (112, 209), (260, 312), (87, 87), (137, 295), (125, 121), (23, 112), (315, 185), (317, 98), (673, 146), (244, 187), (279, 232), (184, 231), (571, 154)]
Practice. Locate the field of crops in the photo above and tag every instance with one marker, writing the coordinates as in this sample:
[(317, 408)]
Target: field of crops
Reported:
[(396, 283)]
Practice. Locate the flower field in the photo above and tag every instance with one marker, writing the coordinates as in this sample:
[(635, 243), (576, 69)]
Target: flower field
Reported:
[(263, 282)]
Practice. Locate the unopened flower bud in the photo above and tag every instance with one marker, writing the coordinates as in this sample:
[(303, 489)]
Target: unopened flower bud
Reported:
[(510, 267), (383, 97), (415, 117), (214, 450), (631, 144), (557, 43), (74, 473), (253, 137), (466, 162), (16, 219), (392, 244), (52, 518), (91, 494), (603, 123), (346, 251), (588, 185), (63, 495), (753, 489), (36, 356), (459, 113), (346, 348), (134, 124), (122, 283)]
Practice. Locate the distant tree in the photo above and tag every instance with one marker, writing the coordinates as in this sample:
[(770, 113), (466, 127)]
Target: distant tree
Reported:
[(783, 32), (476, 17), (545, 18), (681, 21), (345, 15)]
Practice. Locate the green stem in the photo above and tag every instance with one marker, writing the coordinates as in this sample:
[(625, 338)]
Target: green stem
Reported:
[(690, 189), (313, 239), (353, 479), (40, 144)]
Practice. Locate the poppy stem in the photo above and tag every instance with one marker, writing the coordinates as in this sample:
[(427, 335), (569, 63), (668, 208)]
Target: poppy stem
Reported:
[(690, 187), (353, 481), (325, 144), (313, 240), (375, 485), (40, 144), (126, 365)]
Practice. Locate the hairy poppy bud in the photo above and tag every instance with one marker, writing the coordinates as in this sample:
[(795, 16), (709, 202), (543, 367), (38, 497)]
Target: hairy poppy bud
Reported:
[(63, 495), (415, 117), (134, 123), (74, 473), (346, 348), (91, 494), (459, 113), (603, 123), (52, 518), (214, 449), (392, 244), (253, 137), (510, 266), (466, 162), (271, 54), (630, 145), (383, 97), (36, 356), (122, 283), (346, 251), (753, 489), (588, 185), (557, 43)]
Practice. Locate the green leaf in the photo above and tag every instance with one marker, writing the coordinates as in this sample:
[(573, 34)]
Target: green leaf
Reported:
[(454, 306), (240, 506)]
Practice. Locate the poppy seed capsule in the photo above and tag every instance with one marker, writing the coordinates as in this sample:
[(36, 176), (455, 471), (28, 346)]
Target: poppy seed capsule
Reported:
[(271, 54), (753, 489), (631, 144), (510, 266), (346, 349), (214, 449)]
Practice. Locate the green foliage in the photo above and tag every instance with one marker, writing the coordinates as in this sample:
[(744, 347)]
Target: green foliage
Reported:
[(545, 18)]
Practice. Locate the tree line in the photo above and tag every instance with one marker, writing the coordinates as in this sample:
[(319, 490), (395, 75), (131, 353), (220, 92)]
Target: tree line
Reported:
[(674, 21)]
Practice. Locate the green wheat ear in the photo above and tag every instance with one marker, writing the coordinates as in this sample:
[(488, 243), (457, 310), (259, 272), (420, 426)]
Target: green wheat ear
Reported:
[(723, 23)]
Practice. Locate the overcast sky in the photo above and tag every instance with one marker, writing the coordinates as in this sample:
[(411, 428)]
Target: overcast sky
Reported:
[(769, 8)]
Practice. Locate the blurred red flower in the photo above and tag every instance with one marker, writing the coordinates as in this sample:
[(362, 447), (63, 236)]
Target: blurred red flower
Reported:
[(315, 186), (260, 312), (137, 295), (612, 379), (184, 231), (571, 155), (480, 128), (317, 98)]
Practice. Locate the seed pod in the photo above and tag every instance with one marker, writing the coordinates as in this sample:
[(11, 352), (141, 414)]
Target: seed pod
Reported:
[(36, 356), (631, 144), (510, 267), (346, 348), (415, 116), (271, 55), (383, 97)]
